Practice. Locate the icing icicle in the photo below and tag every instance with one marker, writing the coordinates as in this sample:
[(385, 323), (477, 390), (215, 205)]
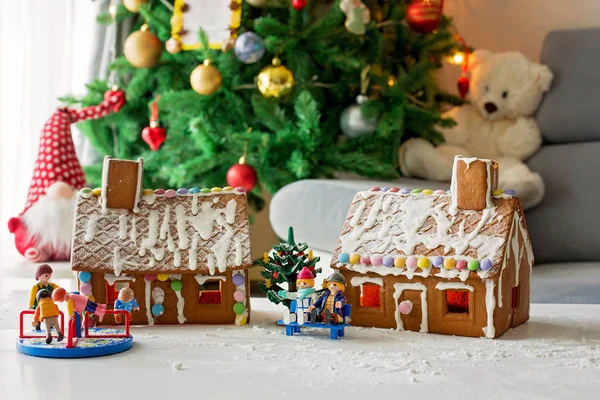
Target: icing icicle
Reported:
[(490, 305), (147, 293), (361, 280), (92, 226), (123, 226)]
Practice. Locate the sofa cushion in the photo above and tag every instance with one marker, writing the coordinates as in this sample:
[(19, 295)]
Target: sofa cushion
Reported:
[(565, 225), (569, 111), (566, 283), (317, 208)]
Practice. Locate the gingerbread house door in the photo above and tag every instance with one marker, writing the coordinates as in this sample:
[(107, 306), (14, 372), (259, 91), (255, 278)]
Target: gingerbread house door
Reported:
[(169, 303), (416, 319)]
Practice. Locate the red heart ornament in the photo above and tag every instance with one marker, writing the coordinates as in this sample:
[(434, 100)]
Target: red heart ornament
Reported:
[(463, 86), (154, 136)]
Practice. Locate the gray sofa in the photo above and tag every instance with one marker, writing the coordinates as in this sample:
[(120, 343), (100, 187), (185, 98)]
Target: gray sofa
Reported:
[(563, 227)]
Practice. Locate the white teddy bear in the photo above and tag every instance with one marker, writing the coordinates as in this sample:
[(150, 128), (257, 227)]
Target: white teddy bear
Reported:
[(506, 89)]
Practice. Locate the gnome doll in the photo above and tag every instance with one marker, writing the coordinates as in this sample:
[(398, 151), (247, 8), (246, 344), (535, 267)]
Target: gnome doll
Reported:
[(44, 229)]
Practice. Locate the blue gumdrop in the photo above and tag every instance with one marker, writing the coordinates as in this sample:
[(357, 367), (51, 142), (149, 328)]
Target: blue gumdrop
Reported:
[(343, 258), (158, 310), (194, 190), (85, 276)]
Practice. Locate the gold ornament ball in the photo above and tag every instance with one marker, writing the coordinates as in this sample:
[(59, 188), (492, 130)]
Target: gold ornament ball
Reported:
[(173, 46), (205, 79), (134, 5), (275, 80), (256, 3), (142, 48)]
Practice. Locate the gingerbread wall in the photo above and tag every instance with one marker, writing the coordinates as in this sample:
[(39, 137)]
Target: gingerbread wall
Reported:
[(438, 320), (194, 312)]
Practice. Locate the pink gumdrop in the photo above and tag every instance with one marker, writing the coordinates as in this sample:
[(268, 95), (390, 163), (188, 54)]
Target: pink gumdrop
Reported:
[(238, 295), (405, 307), (85, 289), (150, 277), (376, 260), (411, 262), (365, 260), (461, 264)]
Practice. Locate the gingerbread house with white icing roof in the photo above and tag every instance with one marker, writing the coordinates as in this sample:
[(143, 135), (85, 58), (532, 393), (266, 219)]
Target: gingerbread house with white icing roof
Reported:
[(456, 263), (183, 252)]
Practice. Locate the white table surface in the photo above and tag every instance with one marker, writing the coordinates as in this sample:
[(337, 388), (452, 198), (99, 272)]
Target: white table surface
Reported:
[(556, 355)]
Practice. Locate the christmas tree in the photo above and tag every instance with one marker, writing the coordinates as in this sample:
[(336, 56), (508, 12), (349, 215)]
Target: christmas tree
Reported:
[(283, 265), (350, 81)]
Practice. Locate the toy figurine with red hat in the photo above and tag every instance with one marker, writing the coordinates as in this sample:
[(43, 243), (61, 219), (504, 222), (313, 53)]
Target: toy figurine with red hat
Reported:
[(43, 230), (304, 297)]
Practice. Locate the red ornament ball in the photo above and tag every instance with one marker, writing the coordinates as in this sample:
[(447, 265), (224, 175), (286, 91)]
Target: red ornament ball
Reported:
[(275, 274), (463, 86), (424, 16), (298, 4), (154, 136), (243, 175)]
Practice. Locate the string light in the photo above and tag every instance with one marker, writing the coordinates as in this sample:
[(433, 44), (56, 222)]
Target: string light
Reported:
[(458, 58)]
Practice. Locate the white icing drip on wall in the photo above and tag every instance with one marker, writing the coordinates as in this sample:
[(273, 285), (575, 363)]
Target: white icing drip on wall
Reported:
[(147, 291), (238, 251), (201, 279), (133, 233), (398, 289), (181, 226), (177, 258), (118, 263), (454, 286), (150, 241), (111, 279), (180, 304), (123, 226), (92, 226), (193, 256), (164, 228), (195, 204), (361, 280), (490, 305), (514, 244)]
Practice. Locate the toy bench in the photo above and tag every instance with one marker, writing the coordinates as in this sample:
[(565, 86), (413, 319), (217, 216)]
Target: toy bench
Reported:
[(335, 330)]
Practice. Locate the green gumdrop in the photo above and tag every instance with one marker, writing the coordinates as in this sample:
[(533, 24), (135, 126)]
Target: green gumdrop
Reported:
[(176, 285), (239, 308), (473, 265), (205, 190), (86, 190)]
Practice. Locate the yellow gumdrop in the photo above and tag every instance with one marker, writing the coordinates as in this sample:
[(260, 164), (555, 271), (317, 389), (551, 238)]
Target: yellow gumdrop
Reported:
[(399, 262), (147, 192), (227, 188), (423, 263), (97, 191), (449, 263), (162, 277), (497, 192), (354, 258), (427, 191), (216, 189), (241, 320)]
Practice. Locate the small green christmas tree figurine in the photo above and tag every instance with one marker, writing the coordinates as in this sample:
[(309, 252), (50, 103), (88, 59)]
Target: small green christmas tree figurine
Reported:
[(283, 265)]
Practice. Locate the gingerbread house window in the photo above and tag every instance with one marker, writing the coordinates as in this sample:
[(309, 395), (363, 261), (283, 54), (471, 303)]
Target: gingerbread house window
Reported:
[(457, 301), (369, 295), (121, 183), (112, 291), (210, 292)]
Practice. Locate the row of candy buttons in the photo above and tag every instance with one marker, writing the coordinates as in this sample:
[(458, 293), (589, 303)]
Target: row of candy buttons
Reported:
[(183, 191), (415, 262), (407, 190)]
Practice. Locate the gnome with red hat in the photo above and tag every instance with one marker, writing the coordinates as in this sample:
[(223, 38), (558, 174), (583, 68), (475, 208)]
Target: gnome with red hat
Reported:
[(44, 229), (305, 282)]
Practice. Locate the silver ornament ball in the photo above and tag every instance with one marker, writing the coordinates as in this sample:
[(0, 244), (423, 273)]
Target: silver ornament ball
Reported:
[(352, 121)]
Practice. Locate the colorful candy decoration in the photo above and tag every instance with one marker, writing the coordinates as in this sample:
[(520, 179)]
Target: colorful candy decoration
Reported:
[(238, 280), (405, 191), (176, 285), (150, 277), (438, 261), (239, 296), (388, 261), (427, 191), (449, 263), (239, 308), (376, 260), (510, 192), (344, 258), (461, 264), (416, 191), (399, 262), (473, 265), (162, 277), (486, 265), (497, 192), (423, 263), (354, 258), (170, 193), (84, 276), (411, 262), (158, 310), (85, 288), (365, 261)]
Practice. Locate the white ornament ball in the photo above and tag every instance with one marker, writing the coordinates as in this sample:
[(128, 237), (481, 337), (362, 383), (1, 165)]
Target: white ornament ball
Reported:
[(352, 121), (249, 47)]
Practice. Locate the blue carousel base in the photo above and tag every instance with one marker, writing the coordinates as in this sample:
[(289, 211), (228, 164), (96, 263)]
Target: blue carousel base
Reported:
[(85, 347)]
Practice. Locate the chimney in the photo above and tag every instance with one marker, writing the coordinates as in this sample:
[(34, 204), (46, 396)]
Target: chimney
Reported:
[(121, 183), (473, 181)]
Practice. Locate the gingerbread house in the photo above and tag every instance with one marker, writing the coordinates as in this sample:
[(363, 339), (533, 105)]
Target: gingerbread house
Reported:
[(456, 263), (184, 252)]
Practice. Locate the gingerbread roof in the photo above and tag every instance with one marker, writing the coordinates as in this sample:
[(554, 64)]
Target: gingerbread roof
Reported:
[(419, 233), (197, 231)]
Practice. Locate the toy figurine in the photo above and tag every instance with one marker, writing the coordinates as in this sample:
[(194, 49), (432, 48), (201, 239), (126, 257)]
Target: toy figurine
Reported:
[(331, 301), (305, 296), (43, 274), (47, 312), (79, 303), (125, 302)]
